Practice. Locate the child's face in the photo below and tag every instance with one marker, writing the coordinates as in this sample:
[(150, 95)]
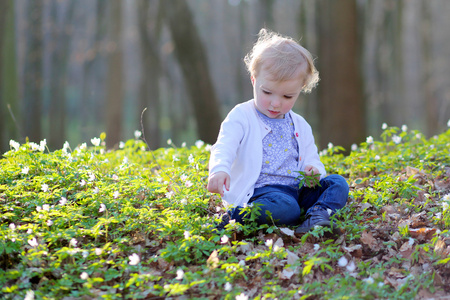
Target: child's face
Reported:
[(275, 98)]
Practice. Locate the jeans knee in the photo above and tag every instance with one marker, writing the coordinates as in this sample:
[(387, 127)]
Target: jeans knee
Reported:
[(338, 181)]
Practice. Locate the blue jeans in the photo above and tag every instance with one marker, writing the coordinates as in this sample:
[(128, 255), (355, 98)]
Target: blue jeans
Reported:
[(286, 203)]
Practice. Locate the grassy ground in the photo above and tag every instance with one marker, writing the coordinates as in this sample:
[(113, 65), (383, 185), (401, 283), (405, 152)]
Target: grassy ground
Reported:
[(131, 223)]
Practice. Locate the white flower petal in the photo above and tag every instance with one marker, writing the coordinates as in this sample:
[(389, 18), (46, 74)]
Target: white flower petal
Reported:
[(343, 261)]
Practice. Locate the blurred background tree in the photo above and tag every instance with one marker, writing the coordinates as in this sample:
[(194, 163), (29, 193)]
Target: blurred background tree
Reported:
[(71, 69)]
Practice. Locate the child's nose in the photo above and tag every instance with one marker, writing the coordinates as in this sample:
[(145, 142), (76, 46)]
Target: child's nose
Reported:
[(276, 102)]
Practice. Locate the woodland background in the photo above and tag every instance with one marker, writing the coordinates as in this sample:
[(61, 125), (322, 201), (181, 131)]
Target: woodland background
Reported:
[(71, 69)]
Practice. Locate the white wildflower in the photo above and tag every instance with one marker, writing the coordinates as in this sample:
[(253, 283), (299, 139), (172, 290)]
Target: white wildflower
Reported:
[(445, 202), (354, 147), (42, 145), (169, 142), (316, 247), (66, 146), (96, 190), (25, 170), (91, 177), (183, 144), (38, 208), (82, 182), (63, 201), (180, 274), (49, 223), (115, 177), (183, 201), (44, 187), (29, 295), (121, 145), (191, 159), (224, 239), (369, 140), (116, 194), (377, 157), (242, 263), (445, 206), (84, 276), (269, 243), (188, 183), (384, 126), (34, 146), (98, 251), (73, 242), (12, 226), (33, 242), (351, 266), (446, 198), (125, 160), (175, 158), (137, 134), (227, 287), (397, 139), (102, 208), (46, 207), (448, 123), (96, 141), (183, 177), (134, 259), (199, 144), (369, 280), (72, 251), (343, 261), (242, 296), (83, 146), (29, 231), (330, 145), (15, 145), (404, 128), (187, 234), (170, 194)]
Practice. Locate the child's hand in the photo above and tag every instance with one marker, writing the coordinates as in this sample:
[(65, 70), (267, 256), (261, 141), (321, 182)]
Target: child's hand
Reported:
[(311, 170), (216, 182)]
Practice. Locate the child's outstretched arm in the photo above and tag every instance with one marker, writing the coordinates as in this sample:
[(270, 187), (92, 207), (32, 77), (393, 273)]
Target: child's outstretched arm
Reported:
[(217, 181)]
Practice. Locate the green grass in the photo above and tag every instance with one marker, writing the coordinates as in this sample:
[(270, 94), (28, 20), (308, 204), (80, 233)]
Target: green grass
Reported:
[(87, 223)]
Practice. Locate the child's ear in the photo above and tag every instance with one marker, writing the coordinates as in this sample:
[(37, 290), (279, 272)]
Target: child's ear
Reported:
[(252, 78)]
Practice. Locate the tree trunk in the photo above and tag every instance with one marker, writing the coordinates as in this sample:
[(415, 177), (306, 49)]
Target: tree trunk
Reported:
[(191, 56), (149, 86), (60, 16), (32, 78), (5, 7), (341, 108), (114, 98)]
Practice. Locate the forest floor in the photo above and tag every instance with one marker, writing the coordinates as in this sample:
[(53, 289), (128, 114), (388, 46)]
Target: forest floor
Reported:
[(86, 223)]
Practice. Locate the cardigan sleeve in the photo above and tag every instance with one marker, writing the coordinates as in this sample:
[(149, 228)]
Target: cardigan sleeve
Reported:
[(309, 153), (231, 133)]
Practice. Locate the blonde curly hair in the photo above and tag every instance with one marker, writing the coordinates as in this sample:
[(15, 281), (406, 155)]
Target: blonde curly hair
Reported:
[(283, 58)]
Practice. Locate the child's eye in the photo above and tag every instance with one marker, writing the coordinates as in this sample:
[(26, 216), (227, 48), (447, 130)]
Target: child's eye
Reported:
[(288, 97), (266, 92)]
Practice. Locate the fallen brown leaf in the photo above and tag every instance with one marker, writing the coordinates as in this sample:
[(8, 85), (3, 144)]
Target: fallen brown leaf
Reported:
[(422, 234)]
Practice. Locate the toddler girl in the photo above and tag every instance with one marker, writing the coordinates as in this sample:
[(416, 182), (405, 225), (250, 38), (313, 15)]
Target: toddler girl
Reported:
[(262, 143)]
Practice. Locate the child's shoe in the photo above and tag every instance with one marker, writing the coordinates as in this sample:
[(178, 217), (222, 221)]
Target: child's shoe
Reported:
[(315, 218)]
